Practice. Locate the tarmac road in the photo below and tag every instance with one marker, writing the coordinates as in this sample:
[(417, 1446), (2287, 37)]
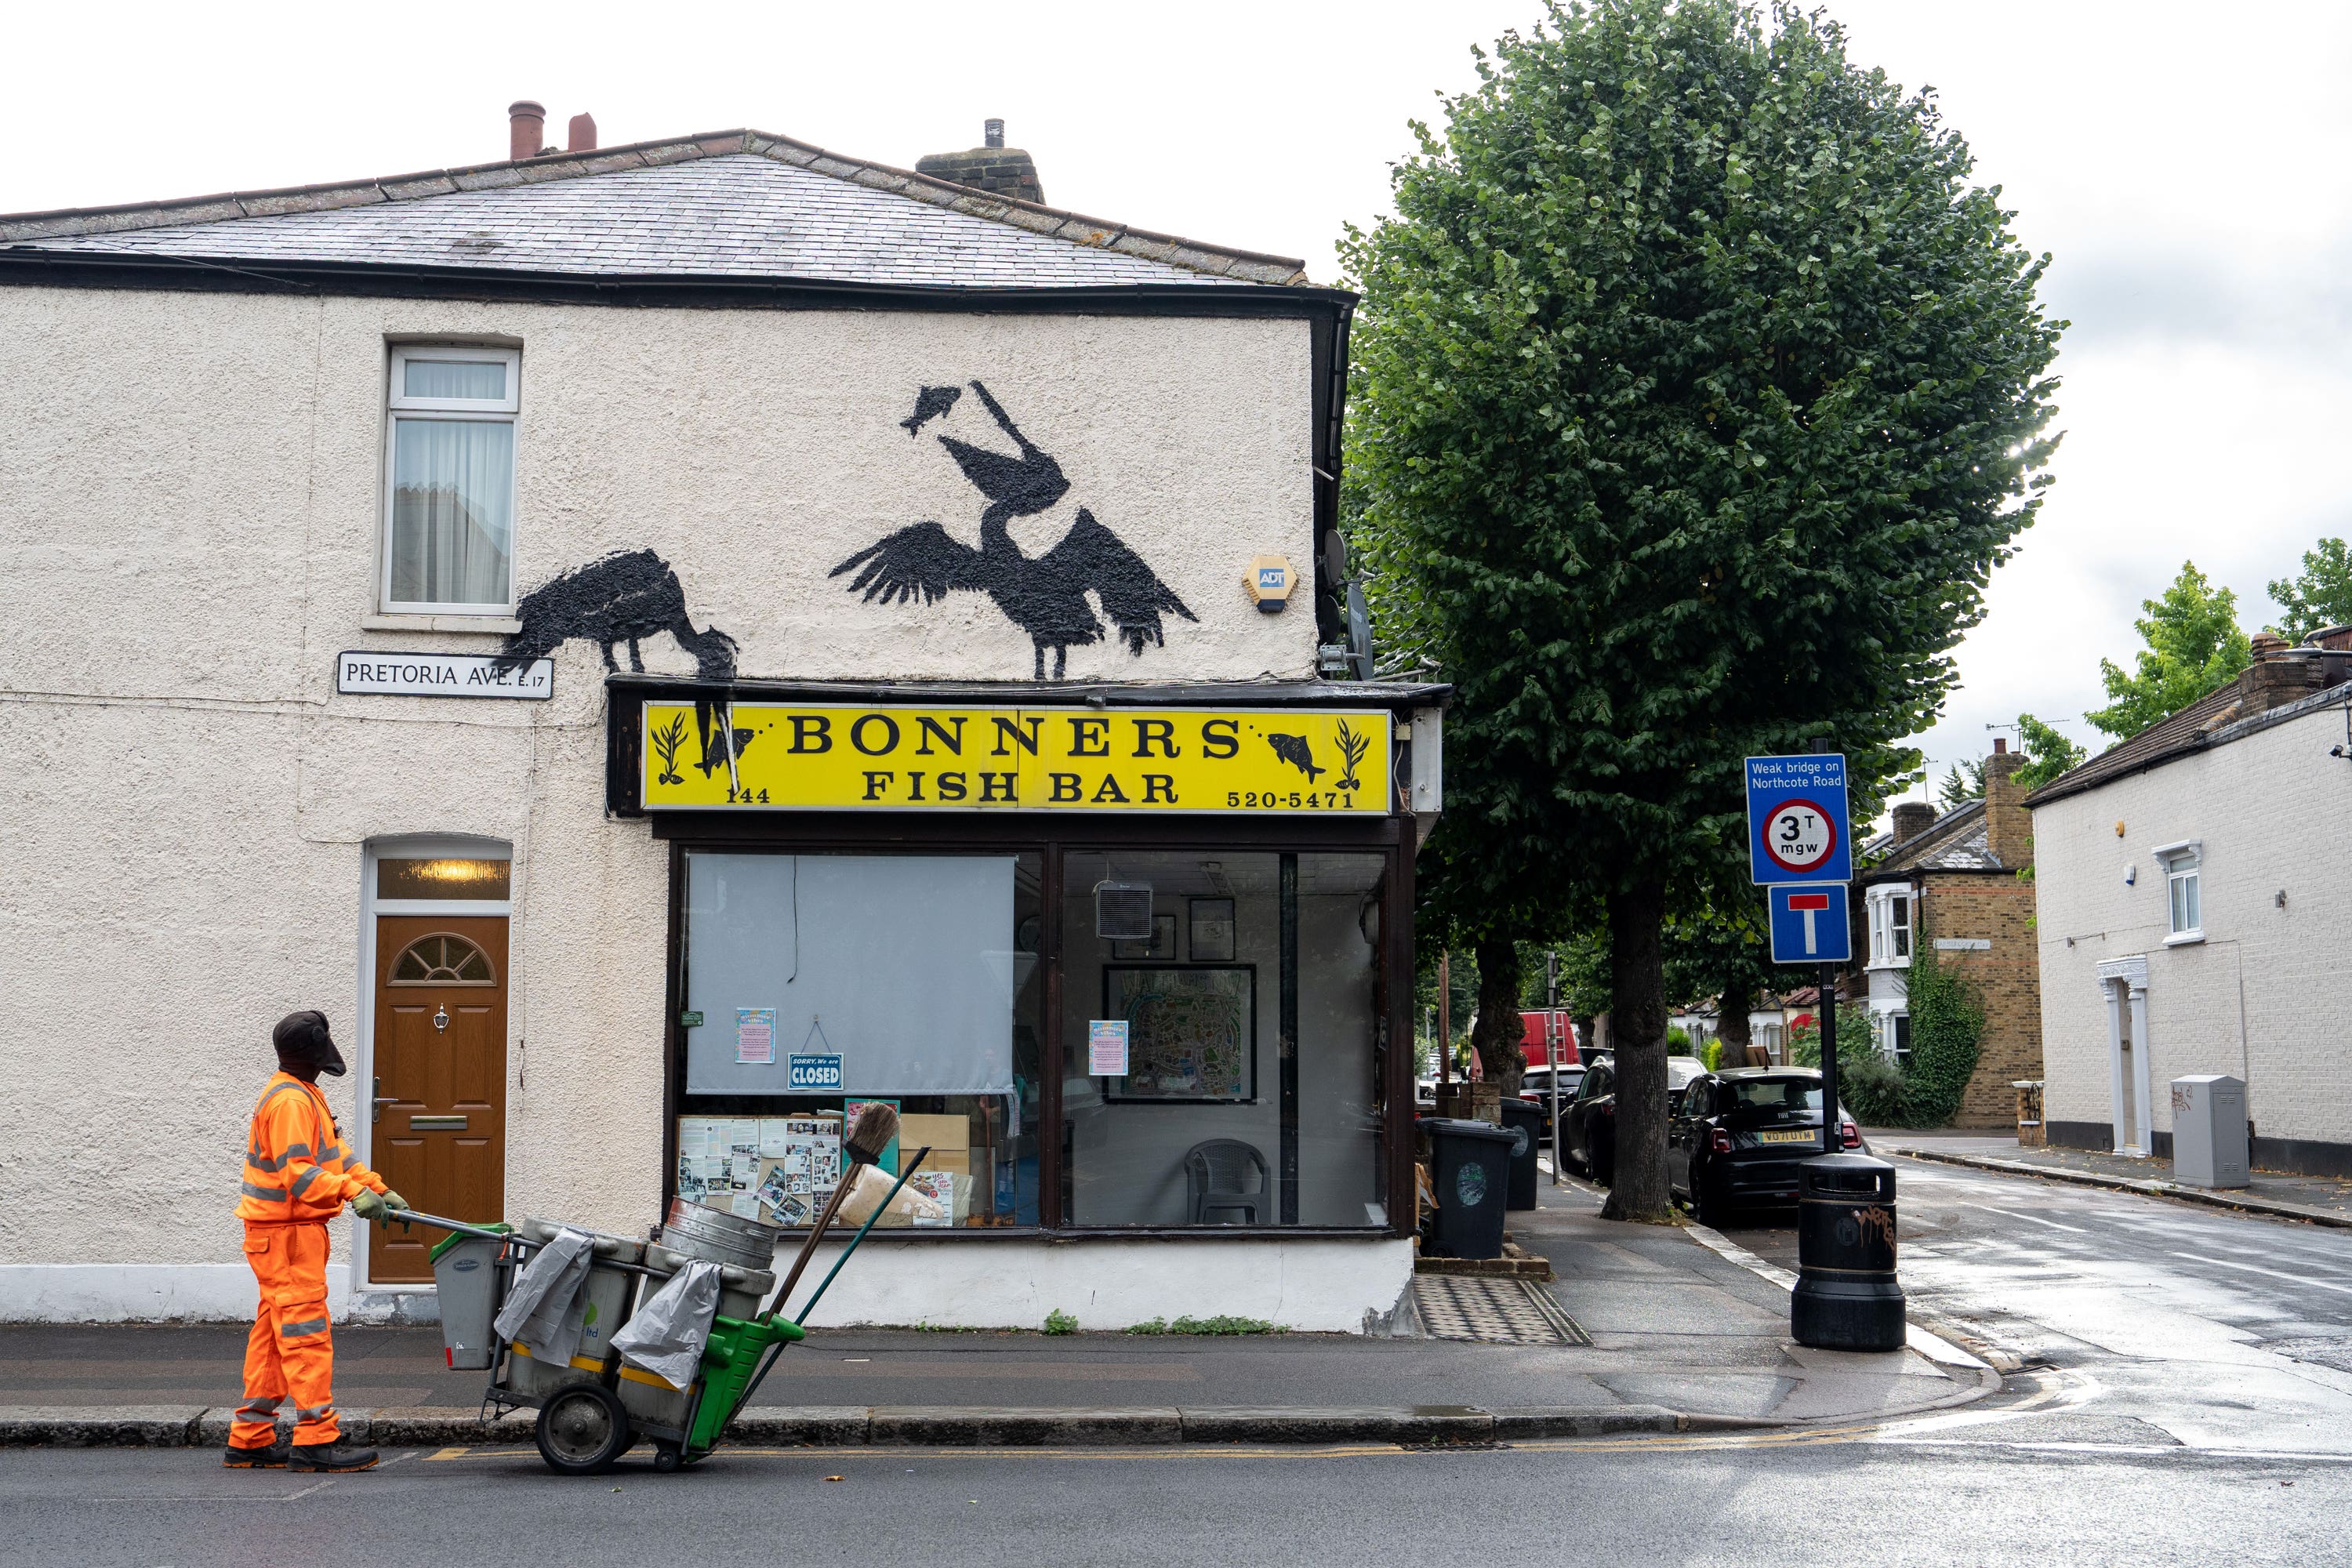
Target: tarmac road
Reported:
[(2163, 1323), (1909, 1495)]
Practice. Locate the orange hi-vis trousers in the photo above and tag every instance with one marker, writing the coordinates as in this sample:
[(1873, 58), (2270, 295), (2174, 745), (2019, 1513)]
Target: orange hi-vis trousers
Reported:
[(289, 1354)]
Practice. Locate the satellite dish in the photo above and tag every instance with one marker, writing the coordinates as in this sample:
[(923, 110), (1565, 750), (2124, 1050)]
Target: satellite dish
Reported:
[(1335, 557)]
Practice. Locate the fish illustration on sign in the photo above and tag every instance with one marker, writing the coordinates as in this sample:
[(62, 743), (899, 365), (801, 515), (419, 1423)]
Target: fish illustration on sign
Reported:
[(1293, 749), (1045, 595)]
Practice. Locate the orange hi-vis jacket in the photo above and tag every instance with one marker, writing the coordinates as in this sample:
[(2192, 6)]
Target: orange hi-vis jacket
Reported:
[(298, 1169)]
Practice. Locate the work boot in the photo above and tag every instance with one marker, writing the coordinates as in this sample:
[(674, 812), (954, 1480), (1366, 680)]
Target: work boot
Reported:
[(337, 1455), (270, 1456)]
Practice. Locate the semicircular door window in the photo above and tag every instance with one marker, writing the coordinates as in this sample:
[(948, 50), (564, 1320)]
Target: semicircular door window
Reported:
[(442, 959)]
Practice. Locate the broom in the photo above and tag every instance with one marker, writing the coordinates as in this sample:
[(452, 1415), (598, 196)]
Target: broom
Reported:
[(871, 1133)]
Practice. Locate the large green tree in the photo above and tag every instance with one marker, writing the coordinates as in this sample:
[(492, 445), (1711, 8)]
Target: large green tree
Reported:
[(2320, 595), (1698, 392), (2194, 646)]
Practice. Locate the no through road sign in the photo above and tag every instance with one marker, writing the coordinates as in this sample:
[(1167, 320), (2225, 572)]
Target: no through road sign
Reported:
[(1809, 923), (1797, 819)]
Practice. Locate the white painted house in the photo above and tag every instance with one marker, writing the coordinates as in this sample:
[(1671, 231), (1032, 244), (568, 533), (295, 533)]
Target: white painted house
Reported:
[(661, 642), (2194, 893)]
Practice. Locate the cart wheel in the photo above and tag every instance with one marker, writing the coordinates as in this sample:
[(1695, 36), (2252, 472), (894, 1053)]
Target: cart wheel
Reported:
[(666, 1458), (583, 1429)]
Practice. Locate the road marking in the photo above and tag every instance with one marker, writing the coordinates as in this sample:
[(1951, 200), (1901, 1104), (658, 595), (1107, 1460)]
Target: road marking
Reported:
[(2012, 1213), (2250, 1268)]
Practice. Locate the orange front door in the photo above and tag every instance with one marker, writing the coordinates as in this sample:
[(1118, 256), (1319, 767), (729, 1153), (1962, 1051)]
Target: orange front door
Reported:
[(440, 1090)]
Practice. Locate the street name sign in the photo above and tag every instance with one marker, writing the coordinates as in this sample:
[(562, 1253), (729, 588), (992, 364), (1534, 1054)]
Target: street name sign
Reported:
[(372, 672), (1809, 923), (1797, 819)]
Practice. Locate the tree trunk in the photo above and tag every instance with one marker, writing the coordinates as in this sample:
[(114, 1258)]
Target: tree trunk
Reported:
[(1498, 1038), (1637, 1029), (1731, 1027)]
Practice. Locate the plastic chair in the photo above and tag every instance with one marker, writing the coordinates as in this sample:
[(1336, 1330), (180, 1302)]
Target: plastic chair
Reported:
[(1213, 1173)]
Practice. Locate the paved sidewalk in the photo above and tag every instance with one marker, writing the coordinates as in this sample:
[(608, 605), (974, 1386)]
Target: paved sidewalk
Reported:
[(2319, 1200), (1680, 1338)]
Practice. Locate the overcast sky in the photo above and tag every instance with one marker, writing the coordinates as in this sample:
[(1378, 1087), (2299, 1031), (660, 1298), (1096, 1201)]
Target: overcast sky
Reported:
[(2187, 169)]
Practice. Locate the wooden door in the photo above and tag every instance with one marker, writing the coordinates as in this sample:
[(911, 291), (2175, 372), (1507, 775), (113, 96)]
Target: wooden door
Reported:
[(440, 1088)]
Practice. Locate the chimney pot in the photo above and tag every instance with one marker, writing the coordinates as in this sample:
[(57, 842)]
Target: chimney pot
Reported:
[(2268, 644), (582, 134), (526, 127), (992, 133), (2000, 744)]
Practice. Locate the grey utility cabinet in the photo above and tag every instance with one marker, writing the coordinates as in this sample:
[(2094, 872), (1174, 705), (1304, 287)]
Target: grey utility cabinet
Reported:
[(2208, 1130)]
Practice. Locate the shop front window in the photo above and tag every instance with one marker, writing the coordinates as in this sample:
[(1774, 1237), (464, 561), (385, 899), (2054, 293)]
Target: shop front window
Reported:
[(815, 982), (1242, 994)]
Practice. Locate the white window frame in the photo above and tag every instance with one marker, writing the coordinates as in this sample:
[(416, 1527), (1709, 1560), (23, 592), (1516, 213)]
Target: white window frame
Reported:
[(503, 411), (2183, 863), (1880, 900)]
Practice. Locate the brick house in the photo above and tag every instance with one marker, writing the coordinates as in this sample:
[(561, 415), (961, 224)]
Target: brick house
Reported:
[(1954, 880), (2194, 892)]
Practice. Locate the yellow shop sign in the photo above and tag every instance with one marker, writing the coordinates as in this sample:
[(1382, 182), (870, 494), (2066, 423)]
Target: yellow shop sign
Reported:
[(821, 757)]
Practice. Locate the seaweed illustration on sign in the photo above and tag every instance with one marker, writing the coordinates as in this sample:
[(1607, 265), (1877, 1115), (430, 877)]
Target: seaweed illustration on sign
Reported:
[(627, 597), (1188, 1033), (1352, 748), (1045, 595), (1293, 749), (666, 740)]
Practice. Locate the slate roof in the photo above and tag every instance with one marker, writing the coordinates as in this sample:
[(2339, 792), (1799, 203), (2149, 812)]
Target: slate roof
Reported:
[(1956, 841), (738, 203), (2216, 719)]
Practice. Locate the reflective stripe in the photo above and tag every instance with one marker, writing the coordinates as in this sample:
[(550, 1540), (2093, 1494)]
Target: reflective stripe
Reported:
[(263, 1163), (314, 1412), (302, 1183), (266, 1195), (261, 1407), (301, 1330)]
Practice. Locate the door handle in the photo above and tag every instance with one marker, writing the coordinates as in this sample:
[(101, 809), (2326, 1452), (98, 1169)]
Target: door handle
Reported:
[(381, 1100)]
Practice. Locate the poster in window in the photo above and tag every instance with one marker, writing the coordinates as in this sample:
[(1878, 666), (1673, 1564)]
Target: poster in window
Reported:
[(1161, 945), (1212, 920), (1192, 1032)]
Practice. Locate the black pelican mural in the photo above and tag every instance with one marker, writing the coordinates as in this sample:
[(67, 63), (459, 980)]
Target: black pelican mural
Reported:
[(1044, 596), (626, 596)]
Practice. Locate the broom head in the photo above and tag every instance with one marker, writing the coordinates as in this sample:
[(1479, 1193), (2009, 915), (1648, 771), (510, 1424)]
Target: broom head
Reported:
[(875, 1126)]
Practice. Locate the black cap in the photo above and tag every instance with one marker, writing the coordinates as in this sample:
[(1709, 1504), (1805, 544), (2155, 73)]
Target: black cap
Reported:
[(303, 1037)]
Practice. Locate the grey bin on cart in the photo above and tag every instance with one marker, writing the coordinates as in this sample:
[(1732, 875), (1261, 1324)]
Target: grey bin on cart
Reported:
[(647, 1399), (606, 1297), (2208, 1131), (468, 1278), (1525, 1121), (1470, 1172)]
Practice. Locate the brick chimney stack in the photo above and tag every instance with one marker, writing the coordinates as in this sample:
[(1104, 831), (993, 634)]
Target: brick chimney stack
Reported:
[(582, 134), (1912, 817), (526, 129), (2277, 677), (2008, 827), (992, 166)]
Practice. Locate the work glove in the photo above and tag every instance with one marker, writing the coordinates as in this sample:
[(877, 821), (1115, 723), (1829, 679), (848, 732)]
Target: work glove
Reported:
[(376, 1205)]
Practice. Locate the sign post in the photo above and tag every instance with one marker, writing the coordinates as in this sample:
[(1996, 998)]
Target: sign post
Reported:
[(1799, 849), (1552, 1020)]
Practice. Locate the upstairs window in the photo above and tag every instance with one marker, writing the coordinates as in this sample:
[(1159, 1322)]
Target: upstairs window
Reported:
[(448, 542), (2182, 865), (1890, 927)]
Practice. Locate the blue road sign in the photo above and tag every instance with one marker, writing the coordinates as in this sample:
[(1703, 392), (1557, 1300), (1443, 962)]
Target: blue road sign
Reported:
[(1810, 924), (1797, 819)]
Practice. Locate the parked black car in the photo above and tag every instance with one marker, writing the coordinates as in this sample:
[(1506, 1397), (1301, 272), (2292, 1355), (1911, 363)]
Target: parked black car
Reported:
[(1589, 1127), (1738, 1137)]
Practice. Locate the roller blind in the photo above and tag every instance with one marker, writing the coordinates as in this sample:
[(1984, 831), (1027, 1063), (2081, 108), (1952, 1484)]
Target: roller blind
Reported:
[(901, 965)]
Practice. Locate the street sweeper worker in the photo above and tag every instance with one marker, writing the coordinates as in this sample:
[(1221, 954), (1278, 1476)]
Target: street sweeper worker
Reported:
[(299, 1173)]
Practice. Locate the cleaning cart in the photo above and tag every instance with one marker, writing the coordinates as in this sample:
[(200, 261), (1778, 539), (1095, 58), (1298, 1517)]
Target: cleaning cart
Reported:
[(593, 1406)]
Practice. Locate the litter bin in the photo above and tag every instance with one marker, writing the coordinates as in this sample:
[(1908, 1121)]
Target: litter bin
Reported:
[(1525, 1121), (1846, 1298), (465, 1277), (1471, 1162)]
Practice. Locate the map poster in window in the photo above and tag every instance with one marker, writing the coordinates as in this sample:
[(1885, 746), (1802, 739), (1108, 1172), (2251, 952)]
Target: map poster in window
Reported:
[(1192, 1032)]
